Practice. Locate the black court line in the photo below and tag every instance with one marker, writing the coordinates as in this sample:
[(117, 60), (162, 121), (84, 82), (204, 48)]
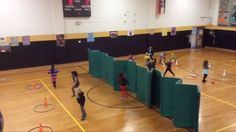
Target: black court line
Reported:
[(107, 106), (188, 129)]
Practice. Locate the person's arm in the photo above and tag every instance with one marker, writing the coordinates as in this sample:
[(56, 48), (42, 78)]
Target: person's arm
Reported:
[(56, 71)]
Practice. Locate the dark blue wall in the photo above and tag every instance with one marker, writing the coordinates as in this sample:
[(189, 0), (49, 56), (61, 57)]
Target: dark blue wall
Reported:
[(224, 39), (46, 53)]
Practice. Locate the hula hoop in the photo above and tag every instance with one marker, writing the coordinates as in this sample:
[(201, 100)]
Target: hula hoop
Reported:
[(43, 111), (49, 128)]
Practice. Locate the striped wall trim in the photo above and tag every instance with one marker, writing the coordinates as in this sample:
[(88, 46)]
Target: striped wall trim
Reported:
[(52, 37)]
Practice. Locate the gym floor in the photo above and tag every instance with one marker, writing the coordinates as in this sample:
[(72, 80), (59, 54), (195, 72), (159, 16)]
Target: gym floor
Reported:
[(23, 93)]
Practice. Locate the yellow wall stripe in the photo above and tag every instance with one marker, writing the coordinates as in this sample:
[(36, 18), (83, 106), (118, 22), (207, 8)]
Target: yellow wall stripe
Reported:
[(52, 37), (72, 117), (213, 27)]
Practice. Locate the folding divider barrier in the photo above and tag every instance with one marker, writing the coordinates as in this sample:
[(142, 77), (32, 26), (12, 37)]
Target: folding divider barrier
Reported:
[(167, 96), (94, 62), (143, 80), (156, 87), (110, 70), (118, 67), (186, 106), (176, 100), (131, 75)]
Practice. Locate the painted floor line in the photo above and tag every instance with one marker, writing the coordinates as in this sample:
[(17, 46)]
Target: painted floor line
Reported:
[(31, 80), (67, 111), (11, 83), (220, 100), (219, 130)]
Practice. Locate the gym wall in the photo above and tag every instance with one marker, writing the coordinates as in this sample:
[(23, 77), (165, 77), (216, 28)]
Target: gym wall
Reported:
[(42, 52), (224, 37), (43, 19)]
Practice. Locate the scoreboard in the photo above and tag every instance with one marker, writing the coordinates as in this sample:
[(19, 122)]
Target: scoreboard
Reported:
[(77, 8)]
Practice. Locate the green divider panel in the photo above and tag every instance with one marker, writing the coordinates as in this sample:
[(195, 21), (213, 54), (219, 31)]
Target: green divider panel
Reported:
[(94, 62), (118, 67), (167, 96), (143, 91), (186, 106), (156, 87), (110, 70), (103, 57), (131, 75)]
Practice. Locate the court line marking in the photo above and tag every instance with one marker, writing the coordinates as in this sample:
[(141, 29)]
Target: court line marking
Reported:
[(63, 75), (220, 100), (226, 127), (10, 83), (67, 111), (24, 81), (73, 118)]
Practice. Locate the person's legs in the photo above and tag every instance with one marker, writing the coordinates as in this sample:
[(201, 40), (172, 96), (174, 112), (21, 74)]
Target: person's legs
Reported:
[(53, 81), (165, 72), (172, 72), (122, 91), (83, 112), (54, 84), (73, 91), (204, 78)]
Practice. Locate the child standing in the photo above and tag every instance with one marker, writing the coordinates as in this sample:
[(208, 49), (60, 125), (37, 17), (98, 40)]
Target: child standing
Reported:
[(150, 51), (123, 83), (162, 58), (173, 58), (205, 70), (53, 71), (81, 101), (76, 83)]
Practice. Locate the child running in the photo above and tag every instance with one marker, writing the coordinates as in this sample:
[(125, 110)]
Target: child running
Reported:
[(53, 71), (123, 83), (168, 67)]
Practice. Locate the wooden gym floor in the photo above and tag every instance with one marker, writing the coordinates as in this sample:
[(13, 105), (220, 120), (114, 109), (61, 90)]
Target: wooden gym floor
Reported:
[(106, 112)]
